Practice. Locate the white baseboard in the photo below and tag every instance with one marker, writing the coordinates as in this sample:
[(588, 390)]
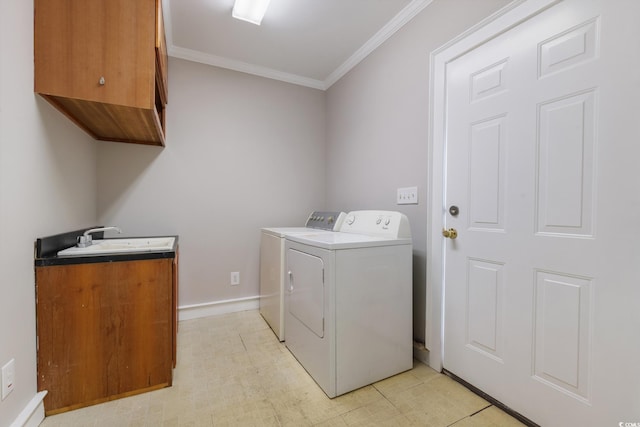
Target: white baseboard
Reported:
[(195, 311), (420, 353), (32, 414)]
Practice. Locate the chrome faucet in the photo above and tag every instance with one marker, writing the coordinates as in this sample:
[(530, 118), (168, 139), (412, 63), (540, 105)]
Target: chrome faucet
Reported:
[(86, 239)]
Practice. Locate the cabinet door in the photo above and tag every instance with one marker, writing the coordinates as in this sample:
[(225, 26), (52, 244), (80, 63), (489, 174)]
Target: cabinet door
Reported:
[(76, 339), (104, 331), (78, 42), (174, 309), (142, 319), (162, 63)]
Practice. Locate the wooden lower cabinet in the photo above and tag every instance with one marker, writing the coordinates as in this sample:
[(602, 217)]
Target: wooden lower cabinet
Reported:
[(105, 330)]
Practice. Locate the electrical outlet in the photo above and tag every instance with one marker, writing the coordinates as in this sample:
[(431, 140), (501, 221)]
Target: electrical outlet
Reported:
[(235, 278), (407, 196), (8, 378)]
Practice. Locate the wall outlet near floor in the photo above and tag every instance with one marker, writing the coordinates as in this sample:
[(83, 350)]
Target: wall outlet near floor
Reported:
[(407, 196), (235, 278), (8, 378)]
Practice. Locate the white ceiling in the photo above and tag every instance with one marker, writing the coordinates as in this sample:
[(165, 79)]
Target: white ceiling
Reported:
[(307, 42)]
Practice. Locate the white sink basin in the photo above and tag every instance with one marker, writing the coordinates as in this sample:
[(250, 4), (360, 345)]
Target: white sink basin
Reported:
[(122, 246)]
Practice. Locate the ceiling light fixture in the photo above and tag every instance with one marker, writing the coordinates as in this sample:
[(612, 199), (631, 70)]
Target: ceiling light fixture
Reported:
[(250, 10)]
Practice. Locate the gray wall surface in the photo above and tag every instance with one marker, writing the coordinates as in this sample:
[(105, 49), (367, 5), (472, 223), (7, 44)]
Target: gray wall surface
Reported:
[(243, 152), (377, 125), (47, 186)]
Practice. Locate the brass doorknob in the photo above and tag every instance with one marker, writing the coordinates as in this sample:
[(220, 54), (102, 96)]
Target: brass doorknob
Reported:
[(451, 233)]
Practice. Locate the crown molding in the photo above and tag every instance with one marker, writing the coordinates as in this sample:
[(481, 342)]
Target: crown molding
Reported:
[(404, 16), (243, 67), (398, 21)]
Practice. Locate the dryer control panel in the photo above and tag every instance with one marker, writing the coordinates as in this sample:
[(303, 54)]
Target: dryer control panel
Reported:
[(331, 221), (390, 224)]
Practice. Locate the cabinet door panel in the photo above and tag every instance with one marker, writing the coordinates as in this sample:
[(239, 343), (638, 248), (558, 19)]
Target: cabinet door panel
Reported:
[(77, 42), (76, 339), (105, 330), (162, 63), (142, 319), (174, 309)]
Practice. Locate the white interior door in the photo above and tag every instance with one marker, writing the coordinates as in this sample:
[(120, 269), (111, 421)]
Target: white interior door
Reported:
[(542, 300)]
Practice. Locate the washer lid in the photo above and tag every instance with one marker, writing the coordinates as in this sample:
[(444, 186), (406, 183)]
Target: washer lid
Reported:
[(333, 241), (286, 231)]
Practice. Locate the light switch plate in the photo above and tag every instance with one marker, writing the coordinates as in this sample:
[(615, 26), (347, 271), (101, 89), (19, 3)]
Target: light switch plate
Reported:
[(8, 378), (407, 196)]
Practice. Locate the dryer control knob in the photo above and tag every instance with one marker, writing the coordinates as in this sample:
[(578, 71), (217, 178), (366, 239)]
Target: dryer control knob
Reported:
[(351, 219)]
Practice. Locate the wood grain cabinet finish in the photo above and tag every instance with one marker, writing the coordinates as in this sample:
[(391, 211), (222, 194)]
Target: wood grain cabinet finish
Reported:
[(105, 330), (103, 63)]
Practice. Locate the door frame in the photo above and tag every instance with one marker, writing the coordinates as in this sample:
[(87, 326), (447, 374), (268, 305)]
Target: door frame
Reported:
[(506, 18)]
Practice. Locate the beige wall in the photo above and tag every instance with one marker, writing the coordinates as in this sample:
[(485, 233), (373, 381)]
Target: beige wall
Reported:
[(47, 186), (377, 128), (242, 152)]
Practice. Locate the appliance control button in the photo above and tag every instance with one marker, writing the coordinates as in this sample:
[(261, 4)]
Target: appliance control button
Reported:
[(351, 219)]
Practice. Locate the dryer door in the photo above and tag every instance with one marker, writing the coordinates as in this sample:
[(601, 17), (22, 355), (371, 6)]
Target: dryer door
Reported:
[(306, 290)]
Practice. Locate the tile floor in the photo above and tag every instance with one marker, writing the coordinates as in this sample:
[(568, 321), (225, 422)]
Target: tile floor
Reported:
[(232, 371)]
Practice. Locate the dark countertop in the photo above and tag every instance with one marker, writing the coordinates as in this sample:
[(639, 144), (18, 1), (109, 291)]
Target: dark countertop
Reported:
[(46, 249)]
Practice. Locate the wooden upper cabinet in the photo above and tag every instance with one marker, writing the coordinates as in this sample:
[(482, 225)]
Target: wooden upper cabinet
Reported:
[(103, 64)]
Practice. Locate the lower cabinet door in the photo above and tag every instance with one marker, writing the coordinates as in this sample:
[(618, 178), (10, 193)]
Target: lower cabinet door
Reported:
[(104, 331)]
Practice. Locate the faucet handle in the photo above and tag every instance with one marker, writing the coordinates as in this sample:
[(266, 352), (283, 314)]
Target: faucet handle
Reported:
[(84, 241)]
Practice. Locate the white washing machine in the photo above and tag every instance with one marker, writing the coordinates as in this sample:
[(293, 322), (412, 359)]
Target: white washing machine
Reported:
[(272, 264), (349, 301)]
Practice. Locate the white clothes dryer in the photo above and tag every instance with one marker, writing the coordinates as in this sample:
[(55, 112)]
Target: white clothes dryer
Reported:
[(272, 264), (349, 301)]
